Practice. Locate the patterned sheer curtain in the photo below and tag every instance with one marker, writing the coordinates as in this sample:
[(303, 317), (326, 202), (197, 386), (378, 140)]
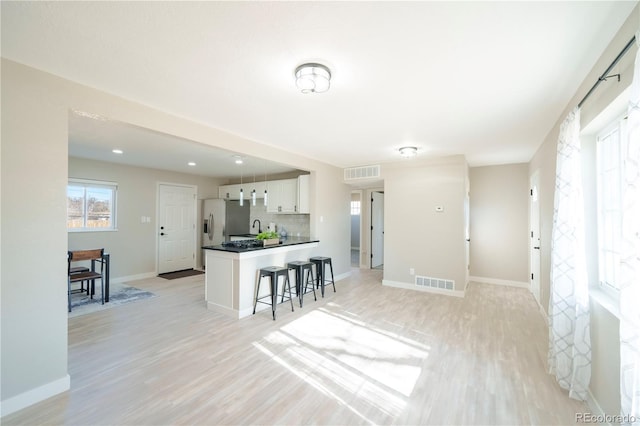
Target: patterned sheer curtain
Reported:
[(569, 319), (630, 265)]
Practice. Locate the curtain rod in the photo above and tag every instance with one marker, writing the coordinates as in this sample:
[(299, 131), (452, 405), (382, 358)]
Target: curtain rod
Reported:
[(605, 74)]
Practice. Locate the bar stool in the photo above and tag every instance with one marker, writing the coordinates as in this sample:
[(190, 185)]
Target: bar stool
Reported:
[(273, 272), (320, 263), (300, 267)]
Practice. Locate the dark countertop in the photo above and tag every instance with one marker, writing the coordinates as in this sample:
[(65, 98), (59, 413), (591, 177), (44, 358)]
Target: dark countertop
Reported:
[(289, 241)]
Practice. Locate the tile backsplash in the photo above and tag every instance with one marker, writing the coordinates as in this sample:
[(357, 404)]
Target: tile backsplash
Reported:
[(294, 224)]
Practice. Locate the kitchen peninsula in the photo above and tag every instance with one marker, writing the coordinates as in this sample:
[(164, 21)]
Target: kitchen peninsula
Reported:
[(231, 270)]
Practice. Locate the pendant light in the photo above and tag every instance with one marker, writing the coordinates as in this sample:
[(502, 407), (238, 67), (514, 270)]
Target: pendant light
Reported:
[(265, 184), (241, 191), (253, 193)]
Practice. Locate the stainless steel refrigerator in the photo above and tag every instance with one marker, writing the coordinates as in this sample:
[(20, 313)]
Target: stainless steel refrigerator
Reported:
[(223, 218)]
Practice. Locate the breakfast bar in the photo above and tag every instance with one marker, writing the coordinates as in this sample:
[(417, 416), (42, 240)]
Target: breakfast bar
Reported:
[(231, 271)]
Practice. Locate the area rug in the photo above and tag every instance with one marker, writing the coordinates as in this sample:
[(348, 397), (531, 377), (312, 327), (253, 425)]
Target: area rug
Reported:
[(119, 294), (180, 274)]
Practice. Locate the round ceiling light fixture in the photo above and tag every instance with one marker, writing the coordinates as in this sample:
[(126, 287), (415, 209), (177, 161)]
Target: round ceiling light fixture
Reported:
[(313, 78), (408, 151)]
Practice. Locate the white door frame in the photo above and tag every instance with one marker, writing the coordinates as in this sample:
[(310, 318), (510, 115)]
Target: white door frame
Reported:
[(534, 234), (195, 219), (382, 232)]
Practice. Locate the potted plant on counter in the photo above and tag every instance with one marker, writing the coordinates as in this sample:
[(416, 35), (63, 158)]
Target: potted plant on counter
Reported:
[(269, 238)]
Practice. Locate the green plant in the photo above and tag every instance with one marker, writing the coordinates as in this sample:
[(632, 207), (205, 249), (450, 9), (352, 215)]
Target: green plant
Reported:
[(267, 235)]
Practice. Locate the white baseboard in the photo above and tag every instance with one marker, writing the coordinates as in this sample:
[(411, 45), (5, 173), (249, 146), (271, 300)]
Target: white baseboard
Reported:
[(136, 277), (412, 286), (497, 281), (33, 396)]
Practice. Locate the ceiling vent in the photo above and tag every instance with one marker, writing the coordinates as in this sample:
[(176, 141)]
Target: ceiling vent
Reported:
[(363, 172)]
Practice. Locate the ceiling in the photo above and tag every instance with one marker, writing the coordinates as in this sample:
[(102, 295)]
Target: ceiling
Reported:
[(484, 79), (95, 137)]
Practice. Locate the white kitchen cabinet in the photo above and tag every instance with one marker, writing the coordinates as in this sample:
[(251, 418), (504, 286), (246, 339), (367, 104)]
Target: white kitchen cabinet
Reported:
[(232, 192), (282, 196), (259, 187), (303, 194), (285, 196)]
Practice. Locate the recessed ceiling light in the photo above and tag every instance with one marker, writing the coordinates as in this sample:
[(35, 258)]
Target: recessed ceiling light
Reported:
[(191, 163), (117, 151)]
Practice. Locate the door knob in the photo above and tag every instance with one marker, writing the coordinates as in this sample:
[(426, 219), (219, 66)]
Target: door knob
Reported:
[(162, 233), (537, 248)]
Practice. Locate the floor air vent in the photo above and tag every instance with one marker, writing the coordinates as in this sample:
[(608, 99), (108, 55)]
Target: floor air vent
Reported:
[(435, 283), (364, 172)]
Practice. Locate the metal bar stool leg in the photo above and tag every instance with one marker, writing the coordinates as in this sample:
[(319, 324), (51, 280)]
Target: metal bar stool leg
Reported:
[(332, 280), (255, 303), (313, 287), (274, 294), (288, 283)]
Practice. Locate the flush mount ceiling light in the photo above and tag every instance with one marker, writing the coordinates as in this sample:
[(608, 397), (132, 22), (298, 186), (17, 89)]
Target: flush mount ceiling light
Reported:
[(238, 159), (313, 78), (191, 163), (408, 151), (117, 151)]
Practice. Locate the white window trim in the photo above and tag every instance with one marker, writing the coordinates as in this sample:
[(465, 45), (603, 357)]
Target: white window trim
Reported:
[(98, 183), (606, 299), (607, 296)]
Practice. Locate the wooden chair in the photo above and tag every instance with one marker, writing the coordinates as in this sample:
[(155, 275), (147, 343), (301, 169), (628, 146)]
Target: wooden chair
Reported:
[(95, 255), (77, 270)]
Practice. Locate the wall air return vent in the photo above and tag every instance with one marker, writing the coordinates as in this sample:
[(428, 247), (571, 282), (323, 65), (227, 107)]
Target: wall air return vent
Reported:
[(363, 172), (435, 283)]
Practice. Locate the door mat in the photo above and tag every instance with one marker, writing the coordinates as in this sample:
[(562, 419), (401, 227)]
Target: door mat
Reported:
[(180, 274)]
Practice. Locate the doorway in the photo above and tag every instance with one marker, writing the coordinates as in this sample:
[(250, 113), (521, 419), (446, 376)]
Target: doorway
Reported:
[(356, 223), (534, 244), (377, 230), (176, 227)]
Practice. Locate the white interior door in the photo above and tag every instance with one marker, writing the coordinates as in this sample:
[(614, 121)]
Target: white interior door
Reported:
[(534, 245), (176, 227), (377, 229)]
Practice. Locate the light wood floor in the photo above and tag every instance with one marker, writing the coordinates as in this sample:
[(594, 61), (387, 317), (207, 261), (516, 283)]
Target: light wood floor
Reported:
[(367, 354)]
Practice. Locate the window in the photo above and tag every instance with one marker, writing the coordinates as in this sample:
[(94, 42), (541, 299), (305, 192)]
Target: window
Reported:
[(91, 205), (609, 179), (355, 208)]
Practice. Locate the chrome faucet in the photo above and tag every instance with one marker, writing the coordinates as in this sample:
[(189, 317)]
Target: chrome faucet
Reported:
[(259, 225)]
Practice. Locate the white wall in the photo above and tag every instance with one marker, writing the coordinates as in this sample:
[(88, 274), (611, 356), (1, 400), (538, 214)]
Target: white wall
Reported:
[(605, 384), (133, 248), (499, 222), (416, 236), (35, 108)]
